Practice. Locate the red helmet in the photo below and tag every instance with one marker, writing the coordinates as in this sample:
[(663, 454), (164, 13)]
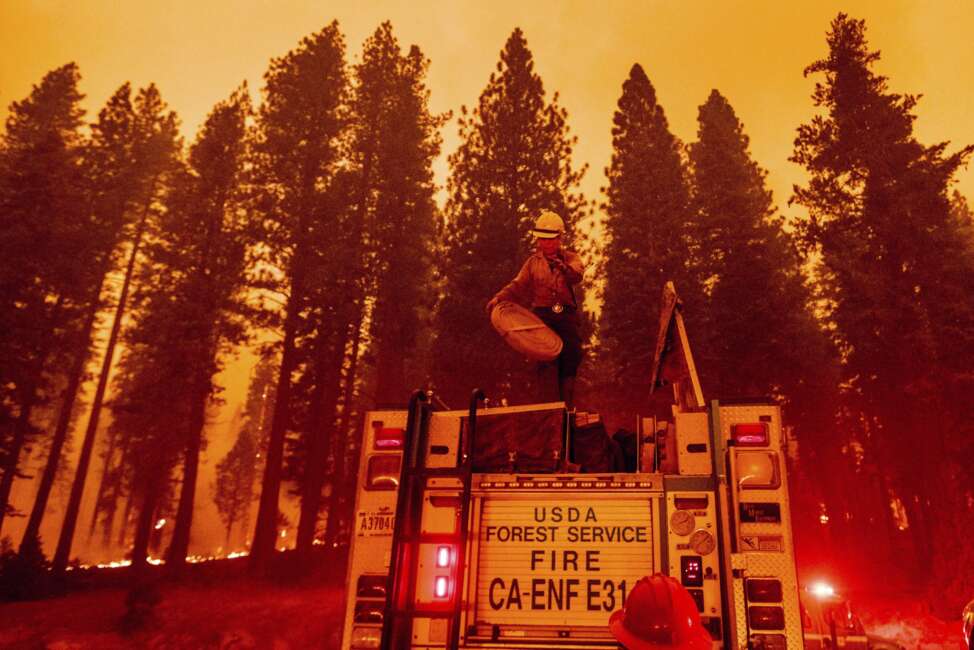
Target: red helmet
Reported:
[(659, 614)]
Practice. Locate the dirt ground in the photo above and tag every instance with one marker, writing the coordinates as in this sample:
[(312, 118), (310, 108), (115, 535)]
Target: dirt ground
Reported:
[(238, 615)]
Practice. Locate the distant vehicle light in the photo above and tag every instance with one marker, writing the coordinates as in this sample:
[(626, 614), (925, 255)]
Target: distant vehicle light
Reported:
[(822, 590)]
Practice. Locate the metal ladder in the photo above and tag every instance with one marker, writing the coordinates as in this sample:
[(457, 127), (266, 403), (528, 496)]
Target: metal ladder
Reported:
[(401, 607)]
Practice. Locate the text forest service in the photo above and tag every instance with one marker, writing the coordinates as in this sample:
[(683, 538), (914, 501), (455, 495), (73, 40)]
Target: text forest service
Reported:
[(558, 563)]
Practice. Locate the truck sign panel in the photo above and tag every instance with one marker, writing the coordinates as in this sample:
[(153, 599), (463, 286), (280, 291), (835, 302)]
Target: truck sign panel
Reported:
[(560, 560)]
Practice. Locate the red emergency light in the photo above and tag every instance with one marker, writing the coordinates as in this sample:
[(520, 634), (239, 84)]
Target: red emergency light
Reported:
[(764, 617), (752, 434), (443, 556), (387, 438), (763, 590), (441, 587)]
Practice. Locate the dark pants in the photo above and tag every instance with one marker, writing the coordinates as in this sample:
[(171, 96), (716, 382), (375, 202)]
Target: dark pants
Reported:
[(565, 325)]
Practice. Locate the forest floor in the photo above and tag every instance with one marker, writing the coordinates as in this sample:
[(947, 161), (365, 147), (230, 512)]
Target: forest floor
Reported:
[(910, 623), (240, 613)]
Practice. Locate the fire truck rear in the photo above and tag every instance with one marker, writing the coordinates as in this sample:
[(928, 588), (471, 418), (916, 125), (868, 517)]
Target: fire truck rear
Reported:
[(461, 542)]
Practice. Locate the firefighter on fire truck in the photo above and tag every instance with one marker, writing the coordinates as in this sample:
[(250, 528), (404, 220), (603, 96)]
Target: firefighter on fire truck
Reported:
[(544, 283)]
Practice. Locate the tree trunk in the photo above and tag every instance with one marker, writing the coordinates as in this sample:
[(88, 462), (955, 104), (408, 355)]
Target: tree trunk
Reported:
[(179, 546), (21, 426), (321, 425), (32, 531), (143, 527), (60, 562), (123, 528), (341, 486), (102, 486), (265, 531)]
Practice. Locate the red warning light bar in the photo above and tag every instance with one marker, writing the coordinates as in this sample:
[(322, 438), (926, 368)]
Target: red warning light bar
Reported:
[(751, 434), (388, 438)]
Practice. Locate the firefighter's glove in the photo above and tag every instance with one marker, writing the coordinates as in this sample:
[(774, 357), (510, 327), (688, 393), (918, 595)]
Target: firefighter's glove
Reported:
[(555, 263), (490, 306)]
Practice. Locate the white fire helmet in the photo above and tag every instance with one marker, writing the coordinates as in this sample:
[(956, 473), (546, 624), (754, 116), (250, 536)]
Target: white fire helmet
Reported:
[(548, 226)]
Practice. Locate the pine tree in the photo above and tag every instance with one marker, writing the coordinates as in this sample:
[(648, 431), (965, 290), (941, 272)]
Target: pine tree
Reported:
[(394, 140), (208, 235), (514, 161), (648, 234), (128, 195), (758, 307), (117, 171), (108, 162), (895, 269), (757, 335), (233, 487), (43, 242), (297, 150)]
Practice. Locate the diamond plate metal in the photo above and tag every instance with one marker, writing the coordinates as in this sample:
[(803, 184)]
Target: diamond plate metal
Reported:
[(765, 564)]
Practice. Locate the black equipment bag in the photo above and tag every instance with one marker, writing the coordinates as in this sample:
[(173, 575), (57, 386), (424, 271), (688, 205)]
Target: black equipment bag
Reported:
[(594, 450), (527, 441)]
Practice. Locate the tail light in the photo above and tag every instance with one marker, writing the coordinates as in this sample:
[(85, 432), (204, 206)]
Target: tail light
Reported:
[(444, 557), (758, 470), (386, 438), (444, 560), (752, 434), (764, 617), (436, 575), (769, 641), (372, 586), (441, 587), (763, 590), (366, 637), (369, 612), (383, 472)]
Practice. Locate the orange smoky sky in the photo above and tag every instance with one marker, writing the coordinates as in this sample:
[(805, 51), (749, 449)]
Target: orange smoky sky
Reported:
[(753, 52)]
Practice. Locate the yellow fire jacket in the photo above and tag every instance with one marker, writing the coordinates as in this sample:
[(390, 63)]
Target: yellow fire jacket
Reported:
[(542, 283)]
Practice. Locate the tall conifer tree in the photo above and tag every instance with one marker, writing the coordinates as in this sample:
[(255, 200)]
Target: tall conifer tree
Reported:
[(129, 196), (648, 231), (895, 271), (759, 336), (131, 147), (513, 162), (380, 254), (208, 237), (398, 139), (297, 148), (44, 238)]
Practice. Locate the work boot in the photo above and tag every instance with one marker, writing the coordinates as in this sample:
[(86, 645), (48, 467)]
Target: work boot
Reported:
[(548, 389), (566, 387)]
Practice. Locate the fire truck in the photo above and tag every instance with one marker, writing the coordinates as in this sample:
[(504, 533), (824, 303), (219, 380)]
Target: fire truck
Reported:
[(474, 528)]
